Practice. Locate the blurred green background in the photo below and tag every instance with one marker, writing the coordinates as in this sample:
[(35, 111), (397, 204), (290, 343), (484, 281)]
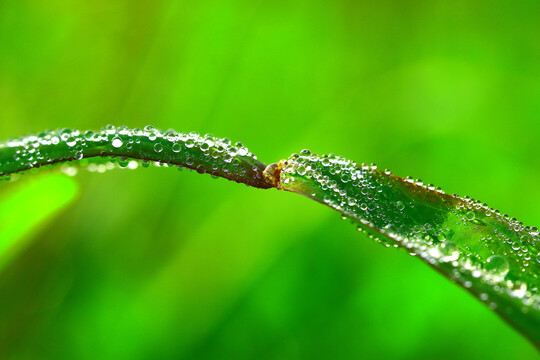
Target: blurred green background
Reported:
[(160, 264)]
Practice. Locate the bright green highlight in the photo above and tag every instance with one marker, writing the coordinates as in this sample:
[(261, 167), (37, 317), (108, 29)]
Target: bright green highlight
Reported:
[(28, 207)]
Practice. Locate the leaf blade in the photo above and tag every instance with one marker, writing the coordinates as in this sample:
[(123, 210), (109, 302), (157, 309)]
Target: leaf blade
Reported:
[(489, 254)]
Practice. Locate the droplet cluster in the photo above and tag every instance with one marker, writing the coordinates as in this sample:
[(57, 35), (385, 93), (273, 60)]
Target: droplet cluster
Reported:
[(127, 148), (495, 256)]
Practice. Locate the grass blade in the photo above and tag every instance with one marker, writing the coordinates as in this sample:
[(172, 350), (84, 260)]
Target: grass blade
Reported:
[(205, 154), (494, 257)]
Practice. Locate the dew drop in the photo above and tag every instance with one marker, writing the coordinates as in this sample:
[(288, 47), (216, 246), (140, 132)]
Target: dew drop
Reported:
[(71, 141), (117, 142), (205, 146), (449, 251), (176, 147), (89, 135), (497, 266)]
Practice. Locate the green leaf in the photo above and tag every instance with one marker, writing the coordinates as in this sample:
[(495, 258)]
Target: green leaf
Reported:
[(494, 257)]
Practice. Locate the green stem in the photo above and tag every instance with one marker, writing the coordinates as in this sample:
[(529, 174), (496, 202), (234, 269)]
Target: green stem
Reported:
[(205, 154)]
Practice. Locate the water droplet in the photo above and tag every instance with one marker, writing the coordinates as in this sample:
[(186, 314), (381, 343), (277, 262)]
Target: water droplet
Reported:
[(89, 135), (158, 147), (449, 251), (200, 169), (71, 141), (176, 147), (497, 266), (117, 142), (470, 215)]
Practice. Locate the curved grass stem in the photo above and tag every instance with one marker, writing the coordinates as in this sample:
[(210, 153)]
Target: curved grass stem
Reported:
[(205, 154), (494, 257)]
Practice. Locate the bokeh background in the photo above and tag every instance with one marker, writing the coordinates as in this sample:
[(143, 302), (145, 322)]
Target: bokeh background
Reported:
[(160, 264)]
